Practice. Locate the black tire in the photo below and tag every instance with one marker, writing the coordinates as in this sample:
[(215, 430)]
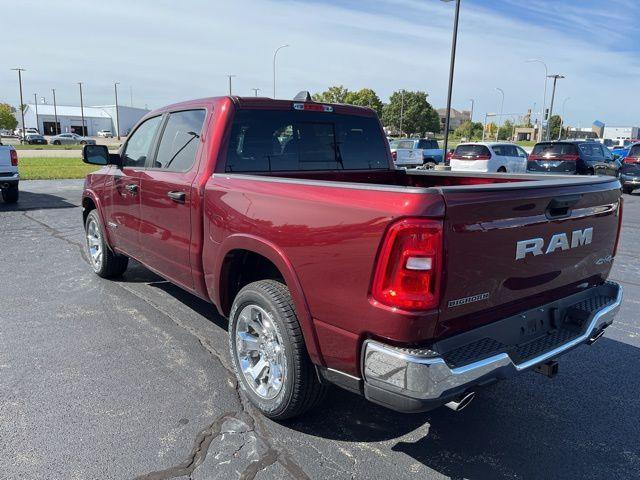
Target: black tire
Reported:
[(301, 390), (11, 194), (112, 265), (57, 142), (627, 190), (83, 142)]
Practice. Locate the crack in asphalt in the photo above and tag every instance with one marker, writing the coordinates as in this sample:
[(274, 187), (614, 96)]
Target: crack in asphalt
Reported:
[(205, 437)]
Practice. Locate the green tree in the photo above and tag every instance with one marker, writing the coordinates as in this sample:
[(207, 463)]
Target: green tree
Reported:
[(335, 94), (365, 97), (554, 126), (7, 119), (469, 130), (418, 116), (505, 131)]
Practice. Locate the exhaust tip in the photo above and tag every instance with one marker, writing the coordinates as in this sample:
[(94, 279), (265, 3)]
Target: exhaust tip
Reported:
[(461, 402)]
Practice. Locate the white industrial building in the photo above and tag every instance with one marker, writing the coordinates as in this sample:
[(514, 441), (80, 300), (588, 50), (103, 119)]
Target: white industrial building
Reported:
[(621, 133), (70, 118)]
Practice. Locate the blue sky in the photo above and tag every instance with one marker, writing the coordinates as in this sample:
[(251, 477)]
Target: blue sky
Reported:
[(169, 51)]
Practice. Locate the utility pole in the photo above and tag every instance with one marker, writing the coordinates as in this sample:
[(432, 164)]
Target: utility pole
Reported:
[(24, 128), (230, 77), (55, 113), (451, 68), (274, 67), (255, 91), (484, 128), (501, 110), (401, 110), (471, 115), (562, 117), (35, 103), (84, 128), (553, 94), (115, 88)]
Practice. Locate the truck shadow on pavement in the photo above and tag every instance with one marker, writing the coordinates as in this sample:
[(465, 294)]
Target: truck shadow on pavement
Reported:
[(582, 424), (35, 201)]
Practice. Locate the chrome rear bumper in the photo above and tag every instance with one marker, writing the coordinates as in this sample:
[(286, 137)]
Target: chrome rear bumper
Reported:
[(408, 380)]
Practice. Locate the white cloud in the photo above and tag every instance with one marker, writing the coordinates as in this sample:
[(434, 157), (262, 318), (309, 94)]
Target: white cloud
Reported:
[(170, 51)]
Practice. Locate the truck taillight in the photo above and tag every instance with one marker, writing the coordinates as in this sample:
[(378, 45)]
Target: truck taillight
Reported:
[(14, 158), (615, 247), (407, 274)]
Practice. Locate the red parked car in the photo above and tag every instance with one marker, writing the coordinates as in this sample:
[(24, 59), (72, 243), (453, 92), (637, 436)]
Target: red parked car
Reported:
[(413, 288)]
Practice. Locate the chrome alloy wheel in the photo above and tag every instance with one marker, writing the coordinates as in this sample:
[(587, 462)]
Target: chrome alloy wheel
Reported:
[(94, 244), (260, 352)]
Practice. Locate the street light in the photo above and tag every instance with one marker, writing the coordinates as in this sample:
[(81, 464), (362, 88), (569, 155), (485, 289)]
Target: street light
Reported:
[(555, 77), (115, 88), (55, 112), (35, 103), (501, 110), (84, 128), (274, 67), (451, 68), (562, 118), (20, 70), (471, 115), (544, 98), (230, 77)]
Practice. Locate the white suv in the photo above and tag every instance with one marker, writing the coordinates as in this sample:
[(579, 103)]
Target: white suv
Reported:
[(9, 176), (488, 157)]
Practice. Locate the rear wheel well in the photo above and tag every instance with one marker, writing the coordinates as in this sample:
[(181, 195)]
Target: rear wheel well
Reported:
[(87, 205), (240, 268)]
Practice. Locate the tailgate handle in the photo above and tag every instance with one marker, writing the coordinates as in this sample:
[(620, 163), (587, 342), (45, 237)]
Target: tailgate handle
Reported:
[(560, 207)]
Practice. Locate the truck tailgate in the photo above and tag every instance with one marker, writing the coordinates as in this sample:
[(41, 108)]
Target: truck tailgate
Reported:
[(509, 248)]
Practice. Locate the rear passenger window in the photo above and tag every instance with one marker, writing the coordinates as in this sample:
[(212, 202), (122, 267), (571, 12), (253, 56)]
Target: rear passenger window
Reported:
[(498, 150), (180, 140)]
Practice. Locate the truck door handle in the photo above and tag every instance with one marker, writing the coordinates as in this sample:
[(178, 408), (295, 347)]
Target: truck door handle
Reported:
[(177, 197), (132, 187)]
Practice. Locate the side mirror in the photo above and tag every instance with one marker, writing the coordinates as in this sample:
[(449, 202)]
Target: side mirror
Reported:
[(99, 155)]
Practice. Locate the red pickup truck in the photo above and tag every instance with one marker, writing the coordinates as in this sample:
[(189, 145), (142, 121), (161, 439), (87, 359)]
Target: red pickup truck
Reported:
[(413, 288)]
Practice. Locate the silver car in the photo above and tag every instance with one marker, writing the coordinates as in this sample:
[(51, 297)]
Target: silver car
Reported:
[(71, 139)]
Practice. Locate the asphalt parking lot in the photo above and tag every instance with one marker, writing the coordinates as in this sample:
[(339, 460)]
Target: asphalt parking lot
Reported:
[(125, 379)]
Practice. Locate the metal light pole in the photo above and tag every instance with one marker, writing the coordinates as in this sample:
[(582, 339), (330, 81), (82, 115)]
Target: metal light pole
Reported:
[(20, 70), (401, 110), (115, 88), (230, 77), (562, 117), (55, 113), (35, 103), (471, 115), (544, 98), (484, 126), (553, 94), (255, 91), (84, 128), (274, 67), (451, 68), (501, 110)]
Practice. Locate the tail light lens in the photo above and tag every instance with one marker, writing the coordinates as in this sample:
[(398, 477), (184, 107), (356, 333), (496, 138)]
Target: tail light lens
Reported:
[(394, 155), (615, 247), (14, 158), (409, 267), (631, 159), (561, 158)]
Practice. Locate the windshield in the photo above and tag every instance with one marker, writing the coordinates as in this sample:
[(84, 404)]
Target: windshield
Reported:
[(554, 149), (290, 140), (634, 151)]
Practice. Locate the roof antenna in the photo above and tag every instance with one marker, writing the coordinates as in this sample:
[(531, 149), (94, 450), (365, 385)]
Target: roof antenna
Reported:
[(303, 96)]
